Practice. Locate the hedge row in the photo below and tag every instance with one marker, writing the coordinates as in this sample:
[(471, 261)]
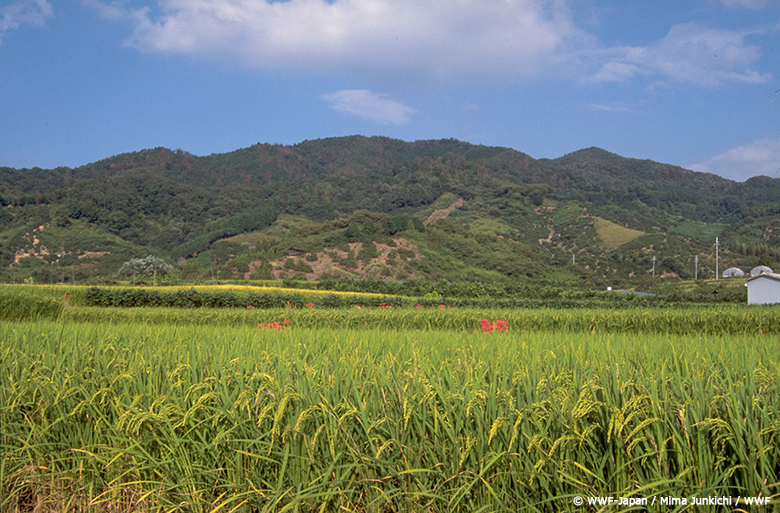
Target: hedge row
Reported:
[(190, 298)]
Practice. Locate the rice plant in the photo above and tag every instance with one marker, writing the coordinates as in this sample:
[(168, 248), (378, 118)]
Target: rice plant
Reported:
[(717, 321), (188, 417), (22, 302)]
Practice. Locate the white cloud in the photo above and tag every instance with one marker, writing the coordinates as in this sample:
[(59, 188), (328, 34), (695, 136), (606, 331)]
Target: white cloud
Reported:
[(450, 39), (447, 40), (369, 105), (24, 12), (689, 53), (760, 157)]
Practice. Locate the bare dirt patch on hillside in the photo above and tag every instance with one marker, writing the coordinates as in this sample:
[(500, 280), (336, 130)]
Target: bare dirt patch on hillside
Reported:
[(443, 213), (389, 262)]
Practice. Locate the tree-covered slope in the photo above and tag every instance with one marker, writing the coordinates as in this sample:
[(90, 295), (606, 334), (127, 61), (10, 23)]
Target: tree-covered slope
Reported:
[(588, 217)]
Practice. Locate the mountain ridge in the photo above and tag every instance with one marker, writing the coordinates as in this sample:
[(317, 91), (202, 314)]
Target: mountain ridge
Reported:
[(518, 210)]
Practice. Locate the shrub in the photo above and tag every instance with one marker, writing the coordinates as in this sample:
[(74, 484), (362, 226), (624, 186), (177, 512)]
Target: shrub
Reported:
[(332, 301), (264, 300)]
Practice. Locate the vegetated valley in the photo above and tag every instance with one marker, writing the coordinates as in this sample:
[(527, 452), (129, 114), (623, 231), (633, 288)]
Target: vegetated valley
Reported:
[(375, 207), (457, 352)]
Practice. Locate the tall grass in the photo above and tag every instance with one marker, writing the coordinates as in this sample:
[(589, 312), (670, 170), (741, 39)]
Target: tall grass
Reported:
[(201, 418), (712, 321), (19, 303)]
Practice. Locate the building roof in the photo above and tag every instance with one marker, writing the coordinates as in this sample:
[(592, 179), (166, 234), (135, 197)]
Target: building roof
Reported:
[(773, 276)]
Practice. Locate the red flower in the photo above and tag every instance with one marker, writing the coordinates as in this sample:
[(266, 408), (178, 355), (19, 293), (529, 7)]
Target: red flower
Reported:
[(490, 327), (250, 307), (442, 307), (274, 325), (418, 307)]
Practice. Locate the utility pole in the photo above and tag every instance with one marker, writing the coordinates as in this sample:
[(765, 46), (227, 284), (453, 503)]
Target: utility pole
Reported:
[(654, 266), (717, 247), (573, 259), (696, 259)]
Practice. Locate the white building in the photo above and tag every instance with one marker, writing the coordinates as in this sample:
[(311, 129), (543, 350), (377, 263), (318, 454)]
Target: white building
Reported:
[(763, 289)]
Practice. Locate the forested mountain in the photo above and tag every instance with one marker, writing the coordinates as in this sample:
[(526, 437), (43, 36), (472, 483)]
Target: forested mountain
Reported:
[(374, 206)]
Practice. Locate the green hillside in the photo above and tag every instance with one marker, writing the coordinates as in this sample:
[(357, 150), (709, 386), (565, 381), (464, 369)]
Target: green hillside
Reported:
[(378, 207)]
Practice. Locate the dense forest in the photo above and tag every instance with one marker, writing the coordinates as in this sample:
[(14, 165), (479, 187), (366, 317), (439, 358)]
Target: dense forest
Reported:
[(359, 207)]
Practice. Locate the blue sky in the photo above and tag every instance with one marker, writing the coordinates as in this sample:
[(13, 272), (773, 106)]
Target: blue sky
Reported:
[(693, 83)]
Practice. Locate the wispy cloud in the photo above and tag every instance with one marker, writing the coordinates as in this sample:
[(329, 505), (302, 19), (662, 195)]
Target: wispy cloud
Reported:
[(611, 107), (429, 38), (24, 12), (760, 157), (369, 105), (689, 53), (749, 4)]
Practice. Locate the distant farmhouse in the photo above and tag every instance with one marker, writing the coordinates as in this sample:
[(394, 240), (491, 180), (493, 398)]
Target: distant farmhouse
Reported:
[(763, 288)]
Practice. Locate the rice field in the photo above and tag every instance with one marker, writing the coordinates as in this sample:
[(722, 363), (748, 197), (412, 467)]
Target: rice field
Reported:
[(715, 321), (383, 409), (67, 304), (129, 417)]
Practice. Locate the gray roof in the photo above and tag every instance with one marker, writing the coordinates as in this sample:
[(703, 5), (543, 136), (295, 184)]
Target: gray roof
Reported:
[(773, 276)]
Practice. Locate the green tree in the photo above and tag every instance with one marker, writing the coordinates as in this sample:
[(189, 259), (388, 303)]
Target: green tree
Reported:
[(149, 266), (352, 233)]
